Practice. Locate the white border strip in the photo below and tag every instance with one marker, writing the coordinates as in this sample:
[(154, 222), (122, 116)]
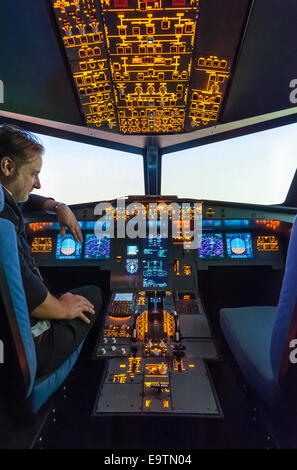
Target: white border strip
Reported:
[(167, 140), (141, 141)]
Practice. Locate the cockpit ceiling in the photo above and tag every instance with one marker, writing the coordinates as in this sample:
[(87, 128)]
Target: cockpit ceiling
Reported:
[(257, 39), (150, 66)]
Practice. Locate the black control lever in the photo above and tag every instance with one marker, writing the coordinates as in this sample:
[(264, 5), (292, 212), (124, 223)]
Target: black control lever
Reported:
[(178, 351), (134, 350)]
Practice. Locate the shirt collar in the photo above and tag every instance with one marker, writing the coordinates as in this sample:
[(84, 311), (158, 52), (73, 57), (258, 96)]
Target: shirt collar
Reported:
[(7, 190)]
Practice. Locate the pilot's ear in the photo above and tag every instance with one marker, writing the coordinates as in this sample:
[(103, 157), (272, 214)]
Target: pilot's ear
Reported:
[(7, 166)]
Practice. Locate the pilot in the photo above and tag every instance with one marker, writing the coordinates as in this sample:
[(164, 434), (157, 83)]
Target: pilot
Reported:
[(58, 324)]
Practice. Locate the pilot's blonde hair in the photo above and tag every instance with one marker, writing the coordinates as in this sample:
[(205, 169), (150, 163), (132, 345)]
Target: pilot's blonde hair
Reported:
[(18, 144)]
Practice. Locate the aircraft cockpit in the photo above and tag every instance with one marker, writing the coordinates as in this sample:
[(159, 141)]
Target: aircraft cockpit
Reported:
[(168, 135)]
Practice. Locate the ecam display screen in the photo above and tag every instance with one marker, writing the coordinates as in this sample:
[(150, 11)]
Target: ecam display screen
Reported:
[(68, 248), (239, 245), (154, 273), (154, 269), (97, 248), (155, 247)]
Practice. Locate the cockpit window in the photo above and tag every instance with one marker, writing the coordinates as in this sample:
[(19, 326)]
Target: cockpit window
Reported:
[(257, 168), (77, 173)]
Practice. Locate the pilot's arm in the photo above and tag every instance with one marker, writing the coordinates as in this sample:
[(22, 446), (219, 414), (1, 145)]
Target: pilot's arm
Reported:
[(66, 218)]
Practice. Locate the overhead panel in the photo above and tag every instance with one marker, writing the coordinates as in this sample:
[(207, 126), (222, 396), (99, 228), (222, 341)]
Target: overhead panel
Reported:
[(82, 30), (151, 47), (141, 67)]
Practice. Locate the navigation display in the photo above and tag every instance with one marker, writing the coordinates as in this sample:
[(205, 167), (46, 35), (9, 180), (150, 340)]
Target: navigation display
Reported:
[(67, 247), (211, 246), (239, 245), (154, 273), (97, 248)]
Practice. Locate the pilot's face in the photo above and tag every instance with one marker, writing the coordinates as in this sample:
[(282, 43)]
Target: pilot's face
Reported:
[(26, 179)]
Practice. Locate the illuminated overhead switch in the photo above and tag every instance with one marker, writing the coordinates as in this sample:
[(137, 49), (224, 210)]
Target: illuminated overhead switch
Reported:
[(189, 28), (122, 92), (81, 30), (120, 3), (150, 28), (94, 27)]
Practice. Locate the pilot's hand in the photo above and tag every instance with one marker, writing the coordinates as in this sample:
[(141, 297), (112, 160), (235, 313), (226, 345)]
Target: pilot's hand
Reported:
[(75, 306), (66, 218)]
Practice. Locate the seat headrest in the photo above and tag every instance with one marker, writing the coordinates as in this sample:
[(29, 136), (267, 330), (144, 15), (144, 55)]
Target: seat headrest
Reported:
[(1, 198)]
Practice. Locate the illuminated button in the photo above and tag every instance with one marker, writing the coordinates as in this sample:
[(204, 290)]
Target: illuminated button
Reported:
[(103, 351), (123, 351), (113, 348)]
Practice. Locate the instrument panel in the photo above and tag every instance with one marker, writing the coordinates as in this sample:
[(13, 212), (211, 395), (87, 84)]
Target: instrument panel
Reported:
[(156, 338), (160, 260)]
